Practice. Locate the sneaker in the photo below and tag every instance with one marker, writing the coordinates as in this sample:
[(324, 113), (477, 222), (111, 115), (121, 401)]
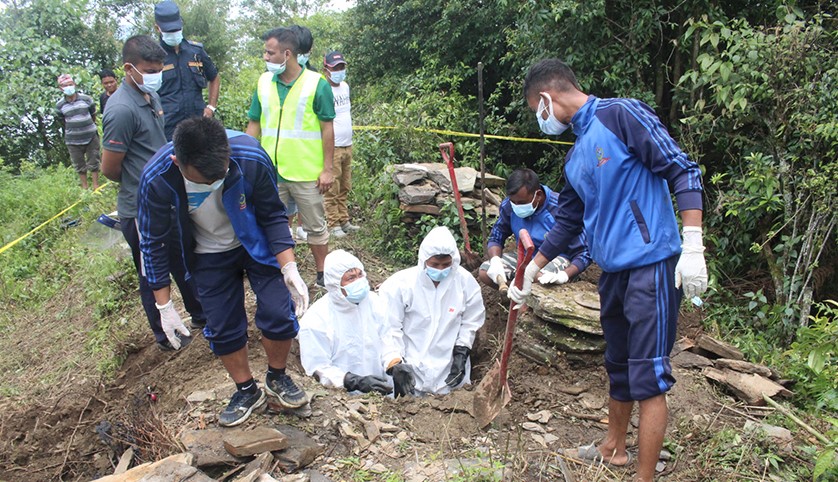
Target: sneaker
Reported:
[(286, 391), (320, 282), (240, 407), (302, 235), (337, 232), (349, 228), (197, 324)]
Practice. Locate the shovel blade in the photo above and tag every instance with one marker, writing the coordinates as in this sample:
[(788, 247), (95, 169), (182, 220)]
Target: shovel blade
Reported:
[(490, 396)]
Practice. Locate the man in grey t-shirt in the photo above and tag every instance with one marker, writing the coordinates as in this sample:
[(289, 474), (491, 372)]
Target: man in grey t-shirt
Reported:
[(77, 114), (133, 131)]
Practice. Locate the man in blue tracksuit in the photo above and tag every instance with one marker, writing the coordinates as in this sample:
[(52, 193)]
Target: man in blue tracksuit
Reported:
[(532, 206), (221, 187), (619, 174)]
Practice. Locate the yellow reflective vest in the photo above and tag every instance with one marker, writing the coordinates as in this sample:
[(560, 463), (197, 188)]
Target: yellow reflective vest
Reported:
[(291, 131)]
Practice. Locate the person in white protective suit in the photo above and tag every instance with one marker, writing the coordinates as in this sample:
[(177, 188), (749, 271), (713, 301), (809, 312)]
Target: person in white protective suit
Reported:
[(345, 340), (434, 309)]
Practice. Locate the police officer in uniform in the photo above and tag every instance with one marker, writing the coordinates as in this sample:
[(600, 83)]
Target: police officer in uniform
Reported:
[(187, 70)]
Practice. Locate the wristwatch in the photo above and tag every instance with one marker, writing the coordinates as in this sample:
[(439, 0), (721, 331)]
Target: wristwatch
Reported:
[(211, 107)]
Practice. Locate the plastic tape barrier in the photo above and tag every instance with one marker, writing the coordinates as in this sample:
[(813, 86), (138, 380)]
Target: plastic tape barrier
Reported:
[(461, 134), (43, 224)]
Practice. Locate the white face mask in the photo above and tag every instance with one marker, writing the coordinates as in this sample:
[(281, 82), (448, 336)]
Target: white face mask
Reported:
[(151, 82), (198, 187), (302, 59), (69, 90), (550, 126)]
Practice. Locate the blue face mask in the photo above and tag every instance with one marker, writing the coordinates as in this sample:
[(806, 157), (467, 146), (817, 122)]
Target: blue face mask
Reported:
[(69, 90), (302, 59), (338, 76), (275, 68), (357, 290), (524, 210), (172, 39), (437, 274)]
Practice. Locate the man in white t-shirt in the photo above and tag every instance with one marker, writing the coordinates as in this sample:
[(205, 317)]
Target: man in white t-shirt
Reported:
[(336, 213)]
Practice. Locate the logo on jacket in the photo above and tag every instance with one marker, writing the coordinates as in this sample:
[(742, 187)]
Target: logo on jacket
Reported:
[(600, 157), (242, 202)]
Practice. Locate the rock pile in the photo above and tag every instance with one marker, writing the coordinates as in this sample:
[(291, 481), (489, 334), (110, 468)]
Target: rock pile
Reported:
[(563, 318), (426, 188)]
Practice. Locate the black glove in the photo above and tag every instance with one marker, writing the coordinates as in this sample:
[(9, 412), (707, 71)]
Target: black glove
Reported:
[(353, 382), (404, 379), (458, 366)]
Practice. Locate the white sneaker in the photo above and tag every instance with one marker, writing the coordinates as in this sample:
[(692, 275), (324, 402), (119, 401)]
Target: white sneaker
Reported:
[(302, 235), (338, 232), (349, 228)]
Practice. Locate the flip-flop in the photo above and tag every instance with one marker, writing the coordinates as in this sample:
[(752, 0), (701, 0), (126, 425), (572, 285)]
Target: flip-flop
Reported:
[(590, 454)]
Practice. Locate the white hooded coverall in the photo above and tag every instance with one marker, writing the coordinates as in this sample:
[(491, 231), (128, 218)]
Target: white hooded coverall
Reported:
[(337, 336), (427, 320)]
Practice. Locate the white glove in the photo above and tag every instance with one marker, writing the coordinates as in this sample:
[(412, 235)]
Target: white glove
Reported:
[(691, 271), (558, 278), (296, 286), (171, 323), (496, 269), (520, 295)]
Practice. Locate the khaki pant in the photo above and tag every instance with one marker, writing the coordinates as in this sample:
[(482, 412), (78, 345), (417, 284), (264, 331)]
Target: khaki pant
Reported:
[(335, 198), (306, 197)]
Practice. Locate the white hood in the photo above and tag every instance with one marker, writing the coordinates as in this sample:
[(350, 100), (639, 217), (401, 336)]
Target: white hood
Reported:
[(439, 241), (337, 263)]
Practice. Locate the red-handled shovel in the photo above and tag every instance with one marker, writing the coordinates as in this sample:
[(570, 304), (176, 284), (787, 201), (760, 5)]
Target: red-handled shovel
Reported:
[(493, 392), (470, 259)]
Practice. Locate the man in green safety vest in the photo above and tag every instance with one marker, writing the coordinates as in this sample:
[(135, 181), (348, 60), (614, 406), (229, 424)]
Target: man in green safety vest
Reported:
[(292, 111)]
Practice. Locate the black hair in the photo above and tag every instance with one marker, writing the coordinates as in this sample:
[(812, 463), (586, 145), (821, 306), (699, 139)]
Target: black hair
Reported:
[(106, 73), (142, 48), (304, 37), (284, 36), (550, 73), (201, 142), (519, 178), (441, 256)]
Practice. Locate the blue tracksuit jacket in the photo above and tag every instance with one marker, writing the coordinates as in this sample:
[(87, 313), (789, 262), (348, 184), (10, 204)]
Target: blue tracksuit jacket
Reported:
[(538, 225), (249, 196), (619, 174)]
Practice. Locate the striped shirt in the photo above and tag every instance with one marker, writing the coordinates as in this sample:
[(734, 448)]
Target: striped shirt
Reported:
[(77, 116)]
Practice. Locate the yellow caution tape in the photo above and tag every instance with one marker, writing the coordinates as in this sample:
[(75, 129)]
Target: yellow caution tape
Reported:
[(43, 224), (461, 134)]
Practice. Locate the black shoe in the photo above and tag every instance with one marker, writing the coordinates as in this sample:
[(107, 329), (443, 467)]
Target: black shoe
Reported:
[(197, 324), (286, 391), (319, 282), (165, 345), (240, 407)]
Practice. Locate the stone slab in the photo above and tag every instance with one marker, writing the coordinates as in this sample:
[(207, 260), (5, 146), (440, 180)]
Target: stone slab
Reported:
[(557, 304), (406, 177), (688, 359), (244, 443), (718, 348), (492, 181), (207, 446), (747, 387), (417, 194), (301, 451), (261, 464), (140, 471), (431, 209), (744, 367)]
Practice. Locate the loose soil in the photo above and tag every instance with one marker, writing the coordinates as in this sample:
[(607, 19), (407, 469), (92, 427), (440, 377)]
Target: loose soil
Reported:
[(55, 437)]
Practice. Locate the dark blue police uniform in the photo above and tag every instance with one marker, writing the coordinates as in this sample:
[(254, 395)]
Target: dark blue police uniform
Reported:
[(185, 75)]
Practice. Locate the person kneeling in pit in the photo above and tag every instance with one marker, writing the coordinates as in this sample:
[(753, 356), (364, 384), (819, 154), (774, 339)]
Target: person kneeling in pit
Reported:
[(217, 189), (532, 206), (434, 309), (345, 340)]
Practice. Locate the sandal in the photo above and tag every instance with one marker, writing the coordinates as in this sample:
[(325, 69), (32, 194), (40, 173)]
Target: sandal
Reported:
[(590, 454)]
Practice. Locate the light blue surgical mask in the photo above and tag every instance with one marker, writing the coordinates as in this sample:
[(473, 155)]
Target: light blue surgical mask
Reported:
[(338, 76), (69, 90), (302, 59), (524, 210), (172, 39), (437, 274), (357, 290), (151, 82), (551, 125), (276, 68)]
